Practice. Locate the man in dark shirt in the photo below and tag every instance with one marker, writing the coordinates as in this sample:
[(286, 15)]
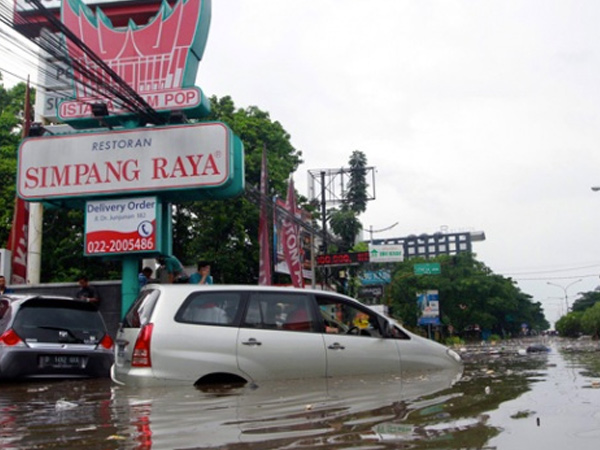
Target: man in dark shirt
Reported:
[(3, 288), (87, 292)]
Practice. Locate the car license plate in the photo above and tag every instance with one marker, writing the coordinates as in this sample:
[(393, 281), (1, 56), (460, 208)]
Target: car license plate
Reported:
[(61, 361)]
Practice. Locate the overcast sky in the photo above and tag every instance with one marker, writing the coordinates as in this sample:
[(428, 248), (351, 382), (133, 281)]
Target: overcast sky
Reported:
[(477, 115)]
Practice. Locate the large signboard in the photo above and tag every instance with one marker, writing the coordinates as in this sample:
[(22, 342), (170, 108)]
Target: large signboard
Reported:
[(122, 226), (386, 253), (157, 57), (185, 161), (429, 308)]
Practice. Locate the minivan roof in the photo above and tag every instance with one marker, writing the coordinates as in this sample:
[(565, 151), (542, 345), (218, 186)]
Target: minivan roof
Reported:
[(185, 289)]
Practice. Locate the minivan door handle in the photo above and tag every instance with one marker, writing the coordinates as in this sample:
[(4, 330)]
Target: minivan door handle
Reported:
[(336, 346), (252, 342)]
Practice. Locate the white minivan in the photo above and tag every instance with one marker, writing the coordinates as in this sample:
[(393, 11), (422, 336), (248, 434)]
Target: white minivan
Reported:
[(237, 334)]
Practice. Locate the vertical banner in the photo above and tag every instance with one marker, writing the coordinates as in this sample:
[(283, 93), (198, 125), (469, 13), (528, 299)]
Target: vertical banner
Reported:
[(279, 261), (429, 308), (291, 245), (264, 267), (17, 240)]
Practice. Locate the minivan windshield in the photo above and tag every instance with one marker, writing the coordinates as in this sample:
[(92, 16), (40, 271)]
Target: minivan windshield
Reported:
[(59, 321)]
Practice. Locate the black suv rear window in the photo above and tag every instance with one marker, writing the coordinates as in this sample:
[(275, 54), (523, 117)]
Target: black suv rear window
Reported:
[(59, 321)]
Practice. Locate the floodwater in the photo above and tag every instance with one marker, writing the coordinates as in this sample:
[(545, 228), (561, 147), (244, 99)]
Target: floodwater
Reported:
[(504, 399)]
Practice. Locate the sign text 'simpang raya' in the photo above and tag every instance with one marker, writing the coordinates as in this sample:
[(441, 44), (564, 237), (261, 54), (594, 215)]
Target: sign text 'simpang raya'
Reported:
[(141, 160)]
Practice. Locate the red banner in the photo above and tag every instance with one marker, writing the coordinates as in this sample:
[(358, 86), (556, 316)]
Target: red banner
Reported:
[(291, 245), (264, 268), (17, 242)]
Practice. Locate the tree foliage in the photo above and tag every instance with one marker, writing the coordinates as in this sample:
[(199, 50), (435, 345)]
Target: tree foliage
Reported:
[(470, 295), (569, 325), (226, 231), (11, 117), (356, 197), (587, 300), (344, 221), (345, 224), (590, 321)]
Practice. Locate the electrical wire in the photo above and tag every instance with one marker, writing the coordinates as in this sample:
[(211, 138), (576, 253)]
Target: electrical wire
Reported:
[(89, 70)]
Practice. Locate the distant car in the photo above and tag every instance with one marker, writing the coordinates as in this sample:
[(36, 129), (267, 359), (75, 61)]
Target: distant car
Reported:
[(235, 334), (52, 337)]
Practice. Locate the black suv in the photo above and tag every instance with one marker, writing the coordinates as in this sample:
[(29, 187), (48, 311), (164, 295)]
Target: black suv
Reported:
[(52, 337)]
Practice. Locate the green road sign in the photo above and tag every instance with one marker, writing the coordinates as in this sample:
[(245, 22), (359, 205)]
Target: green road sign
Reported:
[(427, 269)]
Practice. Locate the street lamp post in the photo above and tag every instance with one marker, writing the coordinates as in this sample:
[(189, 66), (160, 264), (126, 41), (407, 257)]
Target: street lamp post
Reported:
[(564, 288)]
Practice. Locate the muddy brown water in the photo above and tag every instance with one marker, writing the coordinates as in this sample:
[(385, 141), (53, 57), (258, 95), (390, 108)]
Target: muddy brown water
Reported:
[(503, 399)]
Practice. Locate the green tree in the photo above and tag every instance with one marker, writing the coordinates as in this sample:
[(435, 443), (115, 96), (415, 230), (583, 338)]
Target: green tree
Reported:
[(344, 221), (356, 197), (590, 321), (62, 250), (570, 324), (345, 224), (11, 117), (470, 294), (587, 300), (226, 231)]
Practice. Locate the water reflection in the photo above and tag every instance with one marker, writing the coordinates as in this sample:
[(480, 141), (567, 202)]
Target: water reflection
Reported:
[(499, 395), (306, 412)]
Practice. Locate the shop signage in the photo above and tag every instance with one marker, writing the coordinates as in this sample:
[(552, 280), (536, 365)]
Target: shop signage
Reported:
[(343, 259), (195, 157), (386, 253), (371, 291), (121, 226), (158, 59)]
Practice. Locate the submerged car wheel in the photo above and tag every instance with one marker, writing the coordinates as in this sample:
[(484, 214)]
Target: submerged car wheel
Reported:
[(220, 381)]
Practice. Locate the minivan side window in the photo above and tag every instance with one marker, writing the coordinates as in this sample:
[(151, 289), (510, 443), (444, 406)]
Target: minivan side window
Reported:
[(280, 311), (341, 317), (210, 308)]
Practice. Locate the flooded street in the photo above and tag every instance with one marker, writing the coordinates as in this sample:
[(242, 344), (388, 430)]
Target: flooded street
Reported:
[(505, 399)]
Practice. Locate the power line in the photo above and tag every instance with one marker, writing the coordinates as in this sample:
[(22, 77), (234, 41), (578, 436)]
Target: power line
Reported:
[(89, 70), (556, 278)]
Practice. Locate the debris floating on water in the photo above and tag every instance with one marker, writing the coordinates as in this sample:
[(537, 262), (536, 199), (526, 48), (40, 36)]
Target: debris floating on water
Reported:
[(62, 405), (538, 348)]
